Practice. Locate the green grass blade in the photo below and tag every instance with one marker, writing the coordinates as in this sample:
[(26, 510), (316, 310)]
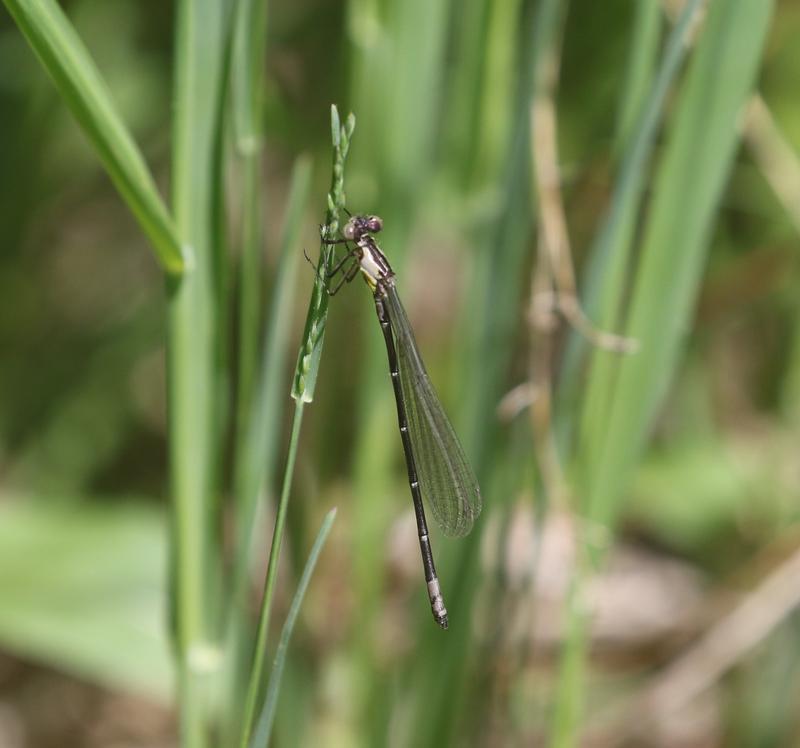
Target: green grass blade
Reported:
[(645, 35), (305, 378), (250, 48), (480, 90), (83, 90), (623, 393), (256, 674), (611, 251), (220, 269), (267, 716), (247, 88), (192, 357), (398, 93), (687, 191), (258, 452)]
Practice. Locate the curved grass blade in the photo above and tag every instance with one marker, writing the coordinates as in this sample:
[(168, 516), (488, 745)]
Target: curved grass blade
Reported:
[(67, 61), (446, 479), (267, 716)]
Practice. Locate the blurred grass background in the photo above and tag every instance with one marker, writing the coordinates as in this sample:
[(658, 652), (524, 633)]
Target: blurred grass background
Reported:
[(632, 579)]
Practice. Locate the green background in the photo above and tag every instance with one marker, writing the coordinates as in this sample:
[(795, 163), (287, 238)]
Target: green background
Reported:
[(631, 576)]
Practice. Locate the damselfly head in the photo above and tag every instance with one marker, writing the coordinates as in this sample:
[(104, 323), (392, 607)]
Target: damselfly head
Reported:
[(357, 226)]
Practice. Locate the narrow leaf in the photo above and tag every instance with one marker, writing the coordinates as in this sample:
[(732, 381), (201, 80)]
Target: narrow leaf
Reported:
[(687, 191), (80, 84), (259, 448), (611, 254), (267, 716)]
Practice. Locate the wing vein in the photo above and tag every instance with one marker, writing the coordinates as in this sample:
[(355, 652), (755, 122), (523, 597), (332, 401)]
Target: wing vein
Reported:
[(446, 480)]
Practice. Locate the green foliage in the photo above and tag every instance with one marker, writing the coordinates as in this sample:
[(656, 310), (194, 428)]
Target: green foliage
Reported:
[(103, 621), (267, 715), (689, 183), (695, 454)]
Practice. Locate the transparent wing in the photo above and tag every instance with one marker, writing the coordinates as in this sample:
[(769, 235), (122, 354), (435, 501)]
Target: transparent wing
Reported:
[(446, 479)]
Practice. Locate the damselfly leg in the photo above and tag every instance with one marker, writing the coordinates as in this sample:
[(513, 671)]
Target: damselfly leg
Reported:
[(350, 255), (347, 276), (339, 265)]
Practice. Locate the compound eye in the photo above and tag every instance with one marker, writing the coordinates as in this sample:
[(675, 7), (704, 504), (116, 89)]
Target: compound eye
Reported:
[(349, 231), (375, 224)]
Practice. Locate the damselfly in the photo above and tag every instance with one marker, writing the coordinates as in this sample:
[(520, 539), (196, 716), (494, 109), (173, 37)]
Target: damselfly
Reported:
[(437, 466)]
